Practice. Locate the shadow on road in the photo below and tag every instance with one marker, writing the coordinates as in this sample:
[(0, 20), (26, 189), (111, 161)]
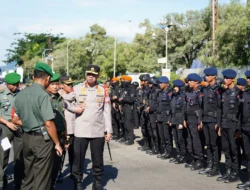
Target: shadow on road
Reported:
[(110, 173)]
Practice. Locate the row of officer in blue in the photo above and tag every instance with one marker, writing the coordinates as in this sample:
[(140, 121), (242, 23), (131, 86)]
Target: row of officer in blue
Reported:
[(215, 116)]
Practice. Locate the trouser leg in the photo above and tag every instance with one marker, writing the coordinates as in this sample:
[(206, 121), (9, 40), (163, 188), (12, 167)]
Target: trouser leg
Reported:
[(4, 155), (80, 148), (97, 147), (196, 142), (18, 160), (226, 147)]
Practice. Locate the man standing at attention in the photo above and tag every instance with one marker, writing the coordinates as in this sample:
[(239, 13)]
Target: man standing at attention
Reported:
[(91, 125)]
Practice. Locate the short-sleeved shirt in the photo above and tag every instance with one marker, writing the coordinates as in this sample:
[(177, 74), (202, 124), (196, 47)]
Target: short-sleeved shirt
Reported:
[(33, 106), (57, 105), (96, 118), (6, 102)]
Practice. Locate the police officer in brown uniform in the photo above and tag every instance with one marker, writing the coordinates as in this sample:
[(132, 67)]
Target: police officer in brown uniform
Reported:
[(91, 125), (35, 114)]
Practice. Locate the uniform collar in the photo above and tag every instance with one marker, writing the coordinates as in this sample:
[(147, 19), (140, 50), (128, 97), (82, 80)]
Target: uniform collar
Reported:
[(7, 91), (87, 86), (38, 85), (55, 96)]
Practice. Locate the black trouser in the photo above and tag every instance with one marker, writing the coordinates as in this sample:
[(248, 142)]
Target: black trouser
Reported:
[(115, 122), (96, 148), (246, 141), (179, 138), (229, 147), (38, 158), (57, 161), (17, 140), (154, 129), (136, 117), (165, 134), (128, 125), (211, 139), (71, 152), (194, 142), (144, 125)]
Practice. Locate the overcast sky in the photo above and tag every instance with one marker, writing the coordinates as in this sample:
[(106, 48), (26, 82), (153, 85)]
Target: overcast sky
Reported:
[(73, 17)]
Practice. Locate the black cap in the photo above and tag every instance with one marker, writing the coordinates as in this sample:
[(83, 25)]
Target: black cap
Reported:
[(135, 83), (153, 80), (144, 77), (93, 69), (66, 80)]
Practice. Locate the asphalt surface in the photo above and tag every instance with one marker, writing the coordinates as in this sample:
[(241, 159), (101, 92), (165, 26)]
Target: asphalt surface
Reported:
[(132, 169)]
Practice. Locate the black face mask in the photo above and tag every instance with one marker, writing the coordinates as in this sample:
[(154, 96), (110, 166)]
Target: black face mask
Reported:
[(115, 84), (125, 84)]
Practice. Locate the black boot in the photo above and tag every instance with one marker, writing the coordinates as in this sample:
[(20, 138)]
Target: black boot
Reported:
[(234, 177), (173, 160), (215, 171), (145, 147), (190, 165), (181, 160), (128, 143), (246, 184), (78, 184), (207, 169), (156, 149), (97, 183), (122, 140), (225, 176), (162, 151), (197, 166), (166, 156)]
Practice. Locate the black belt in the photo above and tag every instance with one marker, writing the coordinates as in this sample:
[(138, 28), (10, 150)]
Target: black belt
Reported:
[(35, 133), (210, 114)]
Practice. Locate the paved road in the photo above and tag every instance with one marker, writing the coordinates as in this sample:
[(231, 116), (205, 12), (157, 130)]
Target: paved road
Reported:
[(134, 170)]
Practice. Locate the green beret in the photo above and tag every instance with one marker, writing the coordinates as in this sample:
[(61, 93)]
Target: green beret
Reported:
[(55, 77), (40, 66), (12, 78)]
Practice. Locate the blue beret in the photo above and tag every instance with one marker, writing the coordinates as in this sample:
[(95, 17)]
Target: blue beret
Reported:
[(163, 79), (210, 71), (229, 73), (178, 83), (247, 73), (241, 82), (194, 77)]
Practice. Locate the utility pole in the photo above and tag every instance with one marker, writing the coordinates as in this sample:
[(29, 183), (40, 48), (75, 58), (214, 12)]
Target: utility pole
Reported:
[(215, 12)]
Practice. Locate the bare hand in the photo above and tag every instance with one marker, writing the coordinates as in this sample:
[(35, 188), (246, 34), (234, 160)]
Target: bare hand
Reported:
[(170, 124), (79, 110), (12, 126), (219, 132), (108, 137), (185, 124), (147, 109), (59, 150), (200, 127), (120, 99), (180, 126), (237, 135), (216, 127), (66, 146)]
